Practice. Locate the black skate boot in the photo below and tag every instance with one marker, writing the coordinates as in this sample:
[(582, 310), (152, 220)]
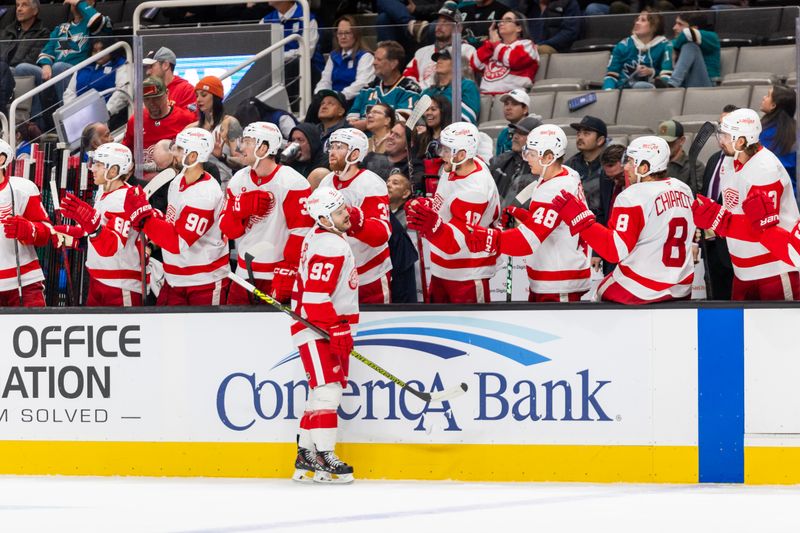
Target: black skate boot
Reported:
[(305, 465), (331, 469)]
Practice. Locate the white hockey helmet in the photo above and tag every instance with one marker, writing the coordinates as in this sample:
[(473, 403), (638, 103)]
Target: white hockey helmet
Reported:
[(460, 136), (651, 149), (195, 140), (8, 151), (547, 137), (264, 132), (354, 139), (111, 154), (742, 123), (324, 201)]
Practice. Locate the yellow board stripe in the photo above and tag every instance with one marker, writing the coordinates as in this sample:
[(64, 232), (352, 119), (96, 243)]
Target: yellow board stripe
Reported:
[(464, 462), (765, 465)]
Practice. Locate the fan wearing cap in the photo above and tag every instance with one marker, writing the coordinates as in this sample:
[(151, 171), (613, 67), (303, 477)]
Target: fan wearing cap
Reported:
[(225, 128), (422, 66), (368, 204), (672, 132), (556, 261), (510, 170), (592, 137), (466, 196), (331, 113), (265, 204), (649, 233), (194, 250), (758, 274), (112, 259), (442, 85), (161, 64), (25, 221), (516, 106)]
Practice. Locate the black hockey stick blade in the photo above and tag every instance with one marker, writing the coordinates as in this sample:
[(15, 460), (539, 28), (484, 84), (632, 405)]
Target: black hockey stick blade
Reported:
[(700, 139), (248, 261)]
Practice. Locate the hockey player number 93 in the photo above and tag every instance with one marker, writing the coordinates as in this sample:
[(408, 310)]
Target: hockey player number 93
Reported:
[(321, 271)]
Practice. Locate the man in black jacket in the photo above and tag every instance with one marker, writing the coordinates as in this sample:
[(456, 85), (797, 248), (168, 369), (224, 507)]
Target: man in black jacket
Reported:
[(20, 42), (510, 171)]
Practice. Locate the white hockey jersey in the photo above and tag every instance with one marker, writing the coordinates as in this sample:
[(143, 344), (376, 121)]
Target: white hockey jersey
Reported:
[(651, 232), (28, 204), (113, 255), (368, 192), (763, 172), (276, 236), (460, 201), (326, 288)]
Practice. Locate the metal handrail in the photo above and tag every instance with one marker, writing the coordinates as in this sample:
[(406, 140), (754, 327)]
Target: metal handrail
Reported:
[(12, 109), (305, 43), (4, 124), (265, 52)]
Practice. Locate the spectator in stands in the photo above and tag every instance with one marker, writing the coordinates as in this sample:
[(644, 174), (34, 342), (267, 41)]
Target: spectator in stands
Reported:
[(27, 133), (398, 19), (511, 172), (442, 85), (425, 141), (481, 16), (310, 155), (697, 62), (678, 167), (161, 64), (389, 87), (21, 41), (350, 65), (642, 60), (554, 24), (422, 67), (106, 73), (395, 157), (162, 119), (614, 170), (507, 59), (380, 121), (401, 249), (592, 137), (779, 126), (94, 135), (400, 191), (254, 110), (331, 114), (516, 106)]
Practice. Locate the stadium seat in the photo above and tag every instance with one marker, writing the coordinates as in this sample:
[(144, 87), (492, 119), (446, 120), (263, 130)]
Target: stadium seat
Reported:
[(486, 108), (541, 73), (493, 129), (52, 15), (605, 108), (574, 71), (642, 109), (728, 57), (703, 104), (23, 84), (603, 32), (762, 65), (791, 80), (759, 91), (619, 138), (745, 28), (113, 10), (542, 104), (786, 30)]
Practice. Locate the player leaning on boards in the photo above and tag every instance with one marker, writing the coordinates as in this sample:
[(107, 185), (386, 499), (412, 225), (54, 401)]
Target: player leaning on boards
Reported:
[(326, 293), (466, 196), (25, 226), (649, 233), (195, 253), (112, 259), (265, 203), (368, 204), (749, 168), (558, 270)]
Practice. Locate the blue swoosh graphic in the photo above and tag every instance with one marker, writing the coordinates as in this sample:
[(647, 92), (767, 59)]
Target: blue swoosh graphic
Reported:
[(513, 330)]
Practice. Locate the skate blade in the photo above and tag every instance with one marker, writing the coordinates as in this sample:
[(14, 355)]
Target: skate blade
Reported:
[(302, 475), (333, 479)]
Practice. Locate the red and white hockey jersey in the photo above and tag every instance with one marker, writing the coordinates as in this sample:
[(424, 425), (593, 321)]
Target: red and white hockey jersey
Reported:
[(326, 288), (113, 255), (283, 228), (368, 192), (194, 250), (506, 66), (763, 172), (460, 201), (649, 235), (422, 68), (27, 204)]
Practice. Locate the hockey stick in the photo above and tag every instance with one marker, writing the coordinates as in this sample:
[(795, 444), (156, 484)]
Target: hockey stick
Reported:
[(16, 245), (420, 107), (509, 268), (161, 179), (424, 396), (248, 262), (64, 256), (700, 139), (422, 278)]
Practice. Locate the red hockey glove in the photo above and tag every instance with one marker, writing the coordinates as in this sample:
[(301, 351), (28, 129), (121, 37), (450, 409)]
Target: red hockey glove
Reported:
[(483, 240), (85, 215), (573, 212), (708, 214), (252, 203), (412, 205), (356, 220), (137, 208), (20, 228), (68, 236), (283, 282), (341, 340), (510, 213), (424, 220), (760, 211)]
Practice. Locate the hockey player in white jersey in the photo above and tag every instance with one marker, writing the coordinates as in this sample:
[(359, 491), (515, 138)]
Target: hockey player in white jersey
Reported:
[(558, 269), (649, 233), (758, 274), (367, 199), (466, 196), (194, 249), (25, 226), (113, 259), (326, 294), (265, 204)]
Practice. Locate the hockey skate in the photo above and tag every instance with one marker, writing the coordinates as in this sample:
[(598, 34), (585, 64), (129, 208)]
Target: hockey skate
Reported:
[(304, 466), (331, 469)]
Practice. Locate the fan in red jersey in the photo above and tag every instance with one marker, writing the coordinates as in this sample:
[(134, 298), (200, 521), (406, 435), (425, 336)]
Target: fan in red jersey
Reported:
[(265, 212), (326, 294), (194, 250)]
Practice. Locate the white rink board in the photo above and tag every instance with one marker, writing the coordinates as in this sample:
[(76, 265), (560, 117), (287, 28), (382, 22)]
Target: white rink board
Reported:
[(631, 375)]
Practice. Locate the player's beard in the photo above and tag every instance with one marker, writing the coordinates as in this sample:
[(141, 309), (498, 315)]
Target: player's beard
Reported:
[(336, 163)]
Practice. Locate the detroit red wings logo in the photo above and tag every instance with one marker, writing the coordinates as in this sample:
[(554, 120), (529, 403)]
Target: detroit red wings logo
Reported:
[(353, 279), (5, 212), (171, 214), (730, 198), (495, 71), (255, 219)]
